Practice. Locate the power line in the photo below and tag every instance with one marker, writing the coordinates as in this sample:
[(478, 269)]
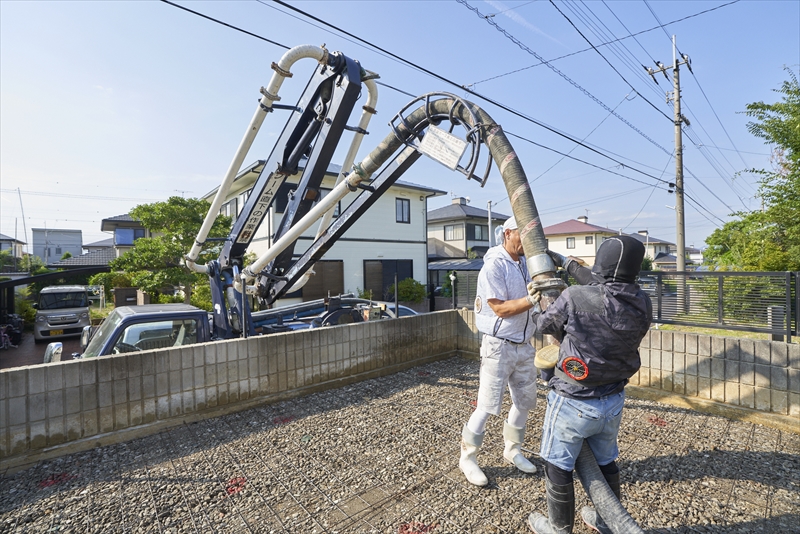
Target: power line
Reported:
[(610, 64), (468, 90), (563, 75), (699, 87), (586, 162), (607, 43), (648, 196), (231, 26)]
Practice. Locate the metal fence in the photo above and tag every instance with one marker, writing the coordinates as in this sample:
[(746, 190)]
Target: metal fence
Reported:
[(766, 302)]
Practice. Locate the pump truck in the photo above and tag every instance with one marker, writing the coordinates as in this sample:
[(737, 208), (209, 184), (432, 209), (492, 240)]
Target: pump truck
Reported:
[(311, 135)]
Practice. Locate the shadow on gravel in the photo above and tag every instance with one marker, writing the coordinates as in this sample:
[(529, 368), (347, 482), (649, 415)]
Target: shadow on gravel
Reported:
[(113, 464)]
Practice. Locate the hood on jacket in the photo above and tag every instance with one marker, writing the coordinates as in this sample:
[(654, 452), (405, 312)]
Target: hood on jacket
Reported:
[(619, 259)]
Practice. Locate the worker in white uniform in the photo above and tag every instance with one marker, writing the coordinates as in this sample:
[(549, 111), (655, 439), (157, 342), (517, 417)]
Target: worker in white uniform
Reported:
[(503, 314)]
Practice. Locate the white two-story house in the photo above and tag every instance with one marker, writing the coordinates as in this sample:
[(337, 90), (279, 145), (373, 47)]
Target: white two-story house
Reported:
[(388, 239)]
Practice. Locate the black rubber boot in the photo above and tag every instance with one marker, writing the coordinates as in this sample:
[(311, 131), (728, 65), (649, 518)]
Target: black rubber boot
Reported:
[(560, 510), (590, 516)]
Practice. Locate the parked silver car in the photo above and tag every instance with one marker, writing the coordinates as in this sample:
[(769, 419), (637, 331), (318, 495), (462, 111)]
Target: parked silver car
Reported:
[(62, 311)]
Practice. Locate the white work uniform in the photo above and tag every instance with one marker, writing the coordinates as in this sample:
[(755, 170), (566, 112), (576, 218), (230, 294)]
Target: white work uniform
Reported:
[(506, 352)]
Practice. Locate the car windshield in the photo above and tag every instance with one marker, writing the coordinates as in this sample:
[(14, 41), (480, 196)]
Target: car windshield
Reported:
[(103, 332), (57, 301)]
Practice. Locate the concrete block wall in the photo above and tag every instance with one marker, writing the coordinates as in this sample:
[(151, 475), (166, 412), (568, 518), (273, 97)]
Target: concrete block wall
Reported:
[(70, 405), (51, 406), (758, 374)]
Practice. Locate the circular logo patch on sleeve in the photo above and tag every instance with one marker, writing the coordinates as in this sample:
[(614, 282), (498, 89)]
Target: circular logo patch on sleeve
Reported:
[(478, 304), (575, 368)]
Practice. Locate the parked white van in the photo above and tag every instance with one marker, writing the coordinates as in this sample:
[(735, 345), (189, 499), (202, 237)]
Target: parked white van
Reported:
[(61, 311)]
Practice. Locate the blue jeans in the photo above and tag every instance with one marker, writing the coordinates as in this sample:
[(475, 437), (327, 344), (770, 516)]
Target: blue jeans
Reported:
[(569, 421)]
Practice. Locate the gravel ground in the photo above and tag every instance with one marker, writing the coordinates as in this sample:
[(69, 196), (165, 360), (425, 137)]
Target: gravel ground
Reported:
[(382, 456)]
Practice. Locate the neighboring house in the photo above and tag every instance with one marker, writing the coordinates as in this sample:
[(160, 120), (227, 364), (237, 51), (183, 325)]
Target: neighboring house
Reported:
[(105, 244), (52, 243), (389, 238), (667, 261), (652, 245), (577, 238), (456, 229), (126, 230), (694, 255), (13, 245)]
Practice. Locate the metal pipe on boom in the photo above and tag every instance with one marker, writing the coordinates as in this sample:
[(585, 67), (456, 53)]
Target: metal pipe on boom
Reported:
[(269, 96)]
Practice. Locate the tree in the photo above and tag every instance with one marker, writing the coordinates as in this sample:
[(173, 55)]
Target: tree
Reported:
[(155, 262), (768, 240)]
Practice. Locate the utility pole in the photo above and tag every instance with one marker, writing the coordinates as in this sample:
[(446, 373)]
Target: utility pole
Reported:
[(680, 225)]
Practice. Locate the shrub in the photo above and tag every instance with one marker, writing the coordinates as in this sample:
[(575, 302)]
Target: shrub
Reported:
[(364, 293), (409, 290)]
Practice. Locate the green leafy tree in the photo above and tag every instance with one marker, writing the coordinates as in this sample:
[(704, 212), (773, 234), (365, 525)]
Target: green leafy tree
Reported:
[(647, 263), (156, 262), (768, 240), (109, 281), (7, 260), (34, 265), (66, 255)]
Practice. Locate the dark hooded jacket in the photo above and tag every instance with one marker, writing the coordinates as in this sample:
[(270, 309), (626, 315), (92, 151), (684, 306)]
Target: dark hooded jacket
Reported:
[(601, 323)]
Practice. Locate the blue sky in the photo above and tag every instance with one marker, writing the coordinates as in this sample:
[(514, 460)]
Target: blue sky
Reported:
[(106, 105)]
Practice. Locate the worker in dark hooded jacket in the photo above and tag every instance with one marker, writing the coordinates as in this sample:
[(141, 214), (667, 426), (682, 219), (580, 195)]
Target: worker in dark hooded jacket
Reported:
[(599, 324)]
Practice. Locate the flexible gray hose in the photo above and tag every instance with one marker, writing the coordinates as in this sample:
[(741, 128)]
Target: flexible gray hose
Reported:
[(614, 514), (519, 192)]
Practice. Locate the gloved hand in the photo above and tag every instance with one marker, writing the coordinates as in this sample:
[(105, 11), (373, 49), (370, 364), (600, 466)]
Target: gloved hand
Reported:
[(534, 296), (557, 258)]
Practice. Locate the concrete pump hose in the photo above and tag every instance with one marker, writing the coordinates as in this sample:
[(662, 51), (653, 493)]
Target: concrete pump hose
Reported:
[(516, 183), (611, 510)]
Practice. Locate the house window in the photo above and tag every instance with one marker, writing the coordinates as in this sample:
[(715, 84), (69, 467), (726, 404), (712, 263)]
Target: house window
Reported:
[(453, 232), (126, 236), (478, 232), (589, 240), (230, 208), (570, 242), (58, 251), (402, 207), (323, 192)]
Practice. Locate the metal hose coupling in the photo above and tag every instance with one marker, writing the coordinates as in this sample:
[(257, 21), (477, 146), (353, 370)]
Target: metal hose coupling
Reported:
[(540, 264)]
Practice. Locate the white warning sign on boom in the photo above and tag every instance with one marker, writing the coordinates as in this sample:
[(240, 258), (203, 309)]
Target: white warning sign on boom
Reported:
[(444, 147)]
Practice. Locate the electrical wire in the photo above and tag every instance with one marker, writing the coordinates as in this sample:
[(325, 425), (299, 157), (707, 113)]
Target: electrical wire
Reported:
[(648, 196), (470, 91), (606, 43), (698, 84), (563, 75), (609, 63)]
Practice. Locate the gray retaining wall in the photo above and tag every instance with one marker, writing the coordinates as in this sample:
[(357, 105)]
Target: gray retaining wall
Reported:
[(77, 404), (46, 410), (753, 374)]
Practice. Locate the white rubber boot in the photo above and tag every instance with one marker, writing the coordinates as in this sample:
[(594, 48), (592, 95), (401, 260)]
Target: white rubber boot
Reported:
[(470, 444), (514, 437)]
